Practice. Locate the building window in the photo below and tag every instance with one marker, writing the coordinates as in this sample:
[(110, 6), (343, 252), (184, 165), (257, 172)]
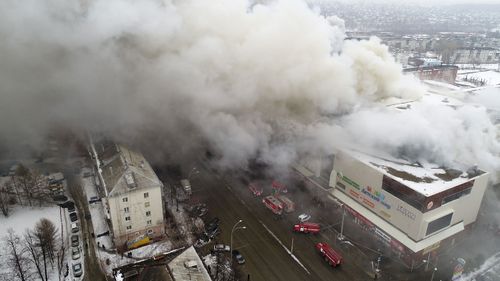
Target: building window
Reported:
[(148, 222), (129, 227), (148, 213), (125, 209), (125, 199), (127, 218), (146, 204), (455, 196), (146, 194), (404, 193), (439, 224)]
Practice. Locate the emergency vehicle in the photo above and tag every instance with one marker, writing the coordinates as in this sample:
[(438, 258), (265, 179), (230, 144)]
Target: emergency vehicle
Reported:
[(288, 205), (255, 189), (279, 187), (333, 258), (273, 204), (307, 227)]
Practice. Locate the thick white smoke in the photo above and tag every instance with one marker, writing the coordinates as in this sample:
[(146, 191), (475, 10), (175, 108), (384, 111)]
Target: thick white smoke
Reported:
[(247, 79)]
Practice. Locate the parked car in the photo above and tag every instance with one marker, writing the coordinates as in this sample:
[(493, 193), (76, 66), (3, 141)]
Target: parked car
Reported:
[(74, 227), (74, 241), (211, 225), (75, 253), (199, 210), (304, 217), (71, 207), (221, 248), (202, 241), (212, 233), (77, 269), (239, 257), (73, 217), (94, 199)]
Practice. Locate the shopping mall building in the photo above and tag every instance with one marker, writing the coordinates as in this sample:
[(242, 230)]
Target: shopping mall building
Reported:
[(414, 210)]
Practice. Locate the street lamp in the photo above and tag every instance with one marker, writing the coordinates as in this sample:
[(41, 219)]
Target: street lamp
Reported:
[(232, 231), (433, 272), (341, 234)]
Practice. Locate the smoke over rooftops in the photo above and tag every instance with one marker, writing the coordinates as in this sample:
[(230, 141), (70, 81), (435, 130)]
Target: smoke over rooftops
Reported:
[(248, 80)]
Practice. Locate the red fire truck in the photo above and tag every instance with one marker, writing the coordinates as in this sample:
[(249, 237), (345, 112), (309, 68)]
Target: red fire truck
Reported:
[(279, 187), (288, 205), (273, 204), (333, 258), (307, 227), (255, 189)]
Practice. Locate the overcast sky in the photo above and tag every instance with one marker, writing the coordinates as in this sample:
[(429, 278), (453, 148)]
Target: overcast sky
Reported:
[(425, 2)]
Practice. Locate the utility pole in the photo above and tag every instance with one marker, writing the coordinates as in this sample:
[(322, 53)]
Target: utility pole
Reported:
[(291, 248), (341, 234)]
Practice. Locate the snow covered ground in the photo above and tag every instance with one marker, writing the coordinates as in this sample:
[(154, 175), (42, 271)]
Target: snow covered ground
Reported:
[(490, 77), (21, 219), (489, 269), (478, 66)]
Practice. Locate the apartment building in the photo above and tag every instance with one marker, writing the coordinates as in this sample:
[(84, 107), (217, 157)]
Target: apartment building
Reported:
[(132, 195)]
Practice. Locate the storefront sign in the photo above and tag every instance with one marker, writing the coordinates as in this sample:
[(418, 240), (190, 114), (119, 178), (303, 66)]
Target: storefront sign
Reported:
[(407, 213), (350, 182), (376, 195), (354, 194)]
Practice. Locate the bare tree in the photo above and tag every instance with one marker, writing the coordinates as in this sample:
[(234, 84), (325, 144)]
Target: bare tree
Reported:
[(60, 260), (4, 200), (32, 184), (23, 181), (45, 234), (34, 252), (17, 257)]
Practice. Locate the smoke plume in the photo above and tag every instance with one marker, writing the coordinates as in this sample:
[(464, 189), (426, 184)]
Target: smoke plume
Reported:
[(247, 80)]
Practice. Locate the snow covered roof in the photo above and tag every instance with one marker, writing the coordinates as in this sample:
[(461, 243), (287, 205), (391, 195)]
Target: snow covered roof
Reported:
[(188, 266), (426, 179), (125, 170)]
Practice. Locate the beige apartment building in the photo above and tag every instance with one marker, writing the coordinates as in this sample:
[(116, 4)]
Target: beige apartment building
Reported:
[(132, 195)]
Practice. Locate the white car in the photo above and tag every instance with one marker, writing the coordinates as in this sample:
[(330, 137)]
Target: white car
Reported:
[(304, 217), (75, 253), (221, 248)]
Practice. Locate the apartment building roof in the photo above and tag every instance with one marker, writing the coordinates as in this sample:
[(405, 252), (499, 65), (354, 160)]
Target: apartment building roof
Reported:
[(125, 170)]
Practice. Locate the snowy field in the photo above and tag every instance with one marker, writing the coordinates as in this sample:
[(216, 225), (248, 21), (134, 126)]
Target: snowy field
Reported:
[(20, 219), (490, 77)]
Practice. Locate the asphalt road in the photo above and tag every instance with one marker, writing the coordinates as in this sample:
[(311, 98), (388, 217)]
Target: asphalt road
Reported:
[(266, 257)]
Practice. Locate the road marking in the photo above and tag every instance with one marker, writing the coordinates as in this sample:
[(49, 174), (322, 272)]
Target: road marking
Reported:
[(286, 249)]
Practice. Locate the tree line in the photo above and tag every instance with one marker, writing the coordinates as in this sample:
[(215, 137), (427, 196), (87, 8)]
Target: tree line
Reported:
[(27, 187)]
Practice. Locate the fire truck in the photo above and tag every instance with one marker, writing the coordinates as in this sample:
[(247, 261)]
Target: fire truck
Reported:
[(307, 227), (288, 205), (333, 258), (273, 204), (279, 187), (255, 189)]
